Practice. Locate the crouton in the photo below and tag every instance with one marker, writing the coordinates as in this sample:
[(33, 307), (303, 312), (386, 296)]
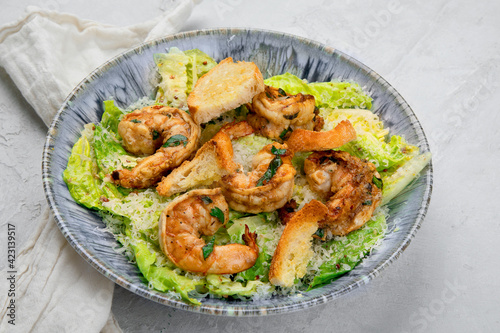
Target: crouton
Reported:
[(225, 87), (294, 247), (212, 161), (304, 140)]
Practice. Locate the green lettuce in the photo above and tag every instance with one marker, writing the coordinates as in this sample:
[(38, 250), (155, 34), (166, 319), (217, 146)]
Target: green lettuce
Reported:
[(109, 152), (348, 251), (111, 116), (384, 155), (172, 89), (179, 72), (81, 175), (199, 64), (331, 94), (263, 228), (161, 278), (221, 285), (394, 182)]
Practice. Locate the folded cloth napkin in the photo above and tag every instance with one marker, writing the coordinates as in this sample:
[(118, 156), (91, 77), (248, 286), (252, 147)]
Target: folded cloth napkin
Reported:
[(47, 54)]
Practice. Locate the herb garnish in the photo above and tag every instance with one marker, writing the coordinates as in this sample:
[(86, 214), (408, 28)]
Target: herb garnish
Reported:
[(281, 92), (218, 213), (277, 151), (275, 163), (156, 135), (367, 203), (377, 182), (135, 121), (291, 116), (320, 233), (176, 140), (206, 200), (207, 249), (285, 132)]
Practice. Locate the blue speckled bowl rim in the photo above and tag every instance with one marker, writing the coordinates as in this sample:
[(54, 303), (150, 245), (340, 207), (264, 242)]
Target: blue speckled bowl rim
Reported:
[(230, 309)]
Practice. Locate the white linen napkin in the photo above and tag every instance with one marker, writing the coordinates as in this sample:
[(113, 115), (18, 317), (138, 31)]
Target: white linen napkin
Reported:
[(47, 54)]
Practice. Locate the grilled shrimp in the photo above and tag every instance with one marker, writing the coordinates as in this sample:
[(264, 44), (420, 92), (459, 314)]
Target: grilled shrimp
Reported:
[(348, 184), (274, 111), (167, 135), (198, 213), (267, 187)]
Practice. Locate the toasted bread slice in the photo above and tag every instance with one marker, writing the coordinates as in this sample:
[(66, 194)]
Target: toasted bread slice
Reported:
[(225, 87), (294, 247), (304, 140), (212, 161)]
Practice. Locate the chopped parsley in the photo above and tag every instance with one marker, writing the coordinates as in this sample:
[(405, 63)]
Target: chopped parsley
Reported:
[(275, 163), (285, 132), (377, 182), (175, 141), (206, 200), (277, 151), (320, 233), (218, 213), (207, 249), (291, 116)]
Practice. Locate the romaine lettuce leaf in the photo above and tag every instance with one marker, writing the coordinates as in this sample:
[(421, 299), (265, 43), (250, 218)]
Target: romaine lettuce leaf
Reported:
[(383, 154), (348, 251), (199, 64), (396, 181), (331, 94), (179, 72), (162, 278), (81, 175), (109, 152), (223, 286), (264, 230), (363, 121), (111, 116), (172, 89)]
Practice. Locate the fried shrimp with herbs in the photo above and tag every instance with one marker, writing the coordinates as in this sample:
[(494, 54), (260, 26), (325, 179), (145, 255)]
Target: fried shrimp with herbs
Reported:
[(201, 213), (350, 186), (274, 112), (267, 187), (168, 135)]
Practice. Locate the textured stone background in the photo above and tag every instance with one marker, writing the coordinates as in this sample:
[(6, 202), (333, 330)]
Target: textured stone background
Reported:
[(442, 56)]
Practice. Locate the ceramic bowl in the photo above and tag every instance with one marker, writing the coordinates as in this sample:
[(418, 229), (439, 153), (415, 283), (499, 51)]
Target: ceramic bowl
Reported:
[(131, 75)]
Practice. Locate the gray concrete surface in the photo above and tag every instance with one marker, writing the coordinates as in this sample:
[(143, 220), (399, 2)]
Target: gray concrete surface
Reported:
[(443, 57)]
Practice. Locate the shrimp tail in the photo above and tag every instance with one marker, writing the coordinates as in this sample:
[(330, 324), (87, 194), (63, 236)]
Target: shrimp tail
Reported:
[(250, 239)]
